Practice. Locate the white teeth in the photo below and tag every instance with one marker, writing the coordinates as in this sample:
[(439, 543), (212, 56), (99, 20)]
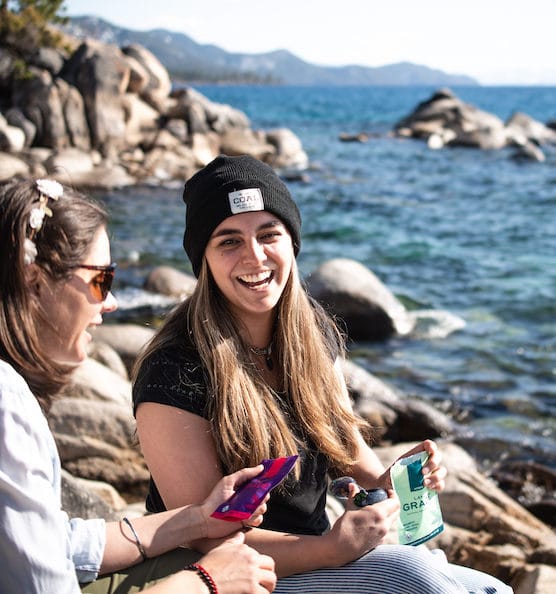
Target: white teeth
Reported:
[(255, 278)]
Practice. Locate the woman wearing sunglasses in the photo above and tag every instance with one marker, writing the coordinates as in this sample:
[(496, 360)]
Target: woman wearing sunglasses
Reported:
[(55, 280)]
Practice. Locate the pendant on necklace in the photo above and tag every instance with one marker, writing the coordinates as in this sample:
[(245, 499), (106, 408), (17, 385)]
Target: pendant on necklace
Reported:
[(269, 363), (266, 353)]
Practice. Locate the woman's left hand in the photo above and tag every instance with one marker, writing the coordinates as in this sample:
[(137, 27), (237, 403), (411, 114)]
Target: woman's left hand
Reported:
[(434, 472)]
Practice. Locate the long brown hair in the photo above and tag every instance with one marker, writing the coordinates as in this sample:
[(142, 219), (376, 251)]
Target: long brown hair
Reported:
[(63, 241), (249, 420)]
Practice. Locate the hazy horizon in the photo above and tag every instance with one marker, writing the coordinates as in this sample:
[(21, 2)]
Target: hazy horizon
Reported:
[(496, 42)]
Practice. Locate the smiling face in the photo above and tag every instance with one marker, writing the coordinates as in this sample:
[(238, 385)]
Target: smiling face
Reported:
[(70, 307), (250, 256)]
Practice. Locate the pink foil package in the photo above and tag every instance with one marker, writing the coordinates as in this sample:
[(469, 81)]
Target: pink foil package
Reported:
[(249, 496)]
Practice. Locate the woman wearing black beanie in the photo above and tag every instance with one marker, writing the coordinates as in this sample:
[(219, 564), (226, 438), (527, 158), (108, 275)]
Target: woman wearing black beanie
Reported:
[(245, 370)]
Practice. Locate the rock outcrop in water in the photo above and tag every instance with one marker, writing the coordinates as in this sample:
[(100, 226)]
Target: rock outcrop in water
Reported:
[(445, 120), (104, 116)]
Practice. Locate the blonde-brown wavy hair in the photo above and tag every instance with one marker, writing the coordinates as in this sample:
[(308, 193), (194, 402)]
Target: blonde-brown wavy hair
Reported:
[(63, 242), (249, 420)]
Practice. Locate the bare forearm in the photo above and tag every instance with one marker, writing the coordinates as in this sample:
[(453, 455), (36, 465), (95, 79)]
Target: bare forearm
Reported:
[(292, 553), (157, 533), (369, 469)]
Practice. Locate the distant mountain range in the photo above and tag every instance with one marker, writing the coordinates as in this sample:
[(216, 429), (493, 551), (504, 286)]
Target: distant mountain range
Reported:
[(189, 61)]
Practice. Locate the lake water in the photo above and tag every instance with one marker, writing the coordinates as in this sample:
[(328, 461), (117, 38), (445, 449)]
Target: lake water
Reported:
[(468, 234)]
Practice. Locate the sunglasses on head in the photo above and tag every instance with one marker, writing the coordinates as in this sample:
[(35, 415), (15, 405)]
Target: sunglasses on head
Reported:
[(101, 283)]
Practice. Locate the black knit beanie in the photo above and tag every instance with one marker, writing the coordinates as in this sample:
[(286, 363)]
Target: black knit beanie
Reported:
[(229, 186)]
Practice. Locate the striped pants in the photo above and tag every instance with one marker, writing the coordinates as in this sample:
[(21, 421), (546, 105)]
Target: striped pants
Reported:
[(394, 569), (389, 569)]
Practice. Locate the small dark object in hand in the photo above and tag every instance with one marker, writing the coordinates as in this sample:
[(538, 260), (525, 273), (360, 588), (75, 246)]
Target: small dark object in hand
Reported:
[(368, 497), (340, 488)]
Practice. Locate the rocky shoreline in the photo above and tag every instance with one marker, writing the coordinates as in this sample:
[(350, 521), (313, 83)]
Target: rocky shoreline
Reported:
[(95, 115), (98, 116)]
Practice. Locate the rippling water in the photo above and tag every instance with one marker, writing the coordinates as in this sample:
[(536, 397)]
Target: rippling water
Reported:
[(466, 232)]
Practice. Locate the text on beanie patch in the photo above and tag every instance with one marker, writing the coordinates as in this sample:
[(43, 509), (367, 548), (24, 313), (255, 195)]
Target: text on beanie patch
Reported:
[(246, 200)]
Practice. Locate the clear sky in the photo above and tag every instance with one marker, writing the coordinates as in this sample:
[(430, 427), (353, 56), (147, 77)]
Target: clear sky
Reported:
[(494, 41)]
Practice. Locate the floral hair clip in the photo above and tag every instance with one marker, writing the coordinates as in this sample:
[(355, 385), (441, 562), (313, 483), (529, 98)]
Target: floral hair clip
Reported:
[(47, 188)]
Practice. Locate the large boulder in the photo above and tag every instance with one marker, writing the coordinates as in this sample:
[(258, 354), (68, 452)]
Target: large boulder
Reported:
[(11, 165), (93, 380), (522, 126), (243, 141), (39, 99), (357, 296), (141, 120), (73, 107), (445, 120), (96, 440), (66, 164), (203, 115), (15, 117), (288, 153), (169, 281), (81, 501), (126, 339), (393, 416), (101, 74), (12, 138), (158, 85)]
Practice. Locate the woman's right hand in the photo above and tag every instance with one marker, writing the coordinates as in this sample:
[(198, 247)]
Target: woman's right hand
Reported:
[(238, 569), (222, 491), (361, 529)]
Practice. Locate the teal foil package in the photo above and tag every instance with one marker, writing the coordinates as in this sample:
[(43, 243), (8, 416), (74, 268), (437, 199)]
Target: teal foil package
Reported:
[(420, 515)]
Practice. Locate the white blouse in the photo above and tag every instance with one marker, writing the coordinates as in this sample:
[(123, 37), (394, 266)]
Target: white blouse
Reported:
[(41, 550)]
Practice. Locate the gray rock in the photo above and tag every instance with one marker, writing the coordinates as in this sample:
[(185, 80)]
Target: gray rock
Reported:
[(12, 139), (241, 141), (96, 440), (101, 74), (39, 99), (289, 153), (73, 107), (11, 165), (80, 502), (356, 295), (15, 117), (106, 355), (48, 58), (158, 85), (393, 416), (94, 381), (126, 339), (169, 281), (521, 124), (69, 163)]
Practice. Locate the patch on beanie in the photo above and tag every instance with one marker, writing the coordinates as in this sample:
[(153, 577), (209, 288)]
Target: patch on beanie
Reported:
[(246, 200)]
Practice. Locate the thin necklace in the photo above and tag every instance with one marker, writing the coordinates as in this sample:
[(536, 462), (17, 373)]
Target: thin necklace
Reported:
[(265, 352)]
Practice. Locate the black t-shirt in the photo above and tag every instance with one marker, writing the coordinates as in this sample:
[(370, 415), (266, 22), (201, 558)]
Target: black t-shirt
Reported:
[(175, 377)]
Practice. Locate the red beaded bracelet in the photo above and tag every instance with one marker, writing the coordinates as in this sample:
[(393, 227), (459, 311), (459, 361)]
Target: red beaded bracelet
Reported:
[(205, 576)]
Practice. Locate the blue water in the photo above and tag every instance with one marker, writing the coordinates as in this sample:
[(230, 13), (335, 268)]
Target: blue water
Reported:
[(464, 231)]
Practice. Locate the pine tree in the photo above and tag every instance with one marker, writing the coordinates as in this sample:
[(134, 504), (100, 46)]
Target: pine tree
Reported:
[(27, 22), (46, 9)]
